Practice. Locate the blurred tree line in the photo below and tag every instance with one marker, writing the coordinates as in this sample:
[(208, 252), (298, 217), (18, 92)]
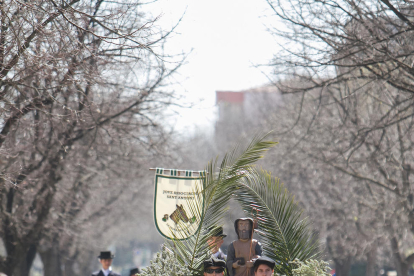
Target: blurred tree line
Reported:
[(82, 88), (342, 109)]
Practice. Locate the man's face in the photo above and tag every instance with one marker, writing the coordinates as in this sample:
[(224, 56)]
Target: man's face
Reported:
[(243, 227), (214, 270), (106, 263), (215, 243), (263, 270)]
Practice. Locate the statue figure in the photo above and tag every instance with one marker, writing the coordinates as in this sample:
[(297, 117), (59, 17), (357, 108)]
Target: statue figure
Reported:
[(242, 252)]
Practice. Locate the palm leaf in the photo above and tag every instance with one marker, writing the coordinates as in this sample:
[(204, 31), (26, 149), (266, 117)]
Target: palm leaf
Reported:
[(219, 186), (284, 233)]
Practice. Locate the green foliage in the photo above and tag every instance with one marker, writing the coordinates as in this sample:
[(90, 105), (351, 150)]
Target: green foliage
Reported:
[(221, 180), (284, 232), (310, 268), (165, 264)]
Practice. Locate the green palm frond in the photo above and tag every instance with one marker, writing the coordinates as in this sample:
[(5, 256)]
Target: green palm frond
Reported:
[(284, 233), (219, 186)]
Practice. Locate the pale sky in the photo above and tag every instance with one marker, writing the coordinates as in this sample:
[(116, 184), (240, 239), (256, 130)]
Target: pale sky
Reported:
[(227, 38)]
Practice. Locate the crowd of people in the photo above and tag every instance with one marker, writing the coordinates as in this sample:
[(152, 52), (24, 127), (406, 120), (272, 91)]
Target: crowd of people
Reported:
[(262, 266), (244, 255)]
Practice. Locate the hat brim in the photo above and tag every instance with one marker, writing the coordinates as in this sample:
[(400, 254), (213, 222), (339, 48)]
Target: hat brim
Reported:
[(106, 257), (214, 263), (270, 263)]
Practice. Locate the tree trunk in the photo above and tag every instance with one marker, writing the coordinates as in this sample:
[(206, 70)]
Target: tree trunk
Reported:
[(21, 251), (51, 261), (402, 268), (21, 264), (371, 261), (25, 264), (343, 266), (399, 261), (7, 266), (68, 270)]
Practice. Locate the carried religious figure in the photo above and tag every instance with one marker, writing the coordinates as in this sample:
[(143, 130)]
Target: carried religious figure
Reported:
[(242, 252)]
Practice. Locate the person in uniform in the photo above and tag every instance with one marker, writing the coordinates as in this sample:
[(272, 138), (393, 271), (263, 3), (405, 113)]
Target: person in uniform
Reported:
[(263, 266), (215, 241), (242, 252), (213, 266), (105, 258)]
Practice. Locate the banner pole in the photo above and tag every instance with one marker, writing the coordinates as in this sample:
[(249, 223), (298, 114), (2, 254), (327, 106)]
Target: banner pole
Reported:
[(178, 171)]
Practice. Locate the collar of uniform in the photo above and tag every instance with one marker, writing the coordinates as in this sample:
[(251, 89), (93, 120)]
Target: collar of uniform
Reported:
[(106, 271), (215, 255)]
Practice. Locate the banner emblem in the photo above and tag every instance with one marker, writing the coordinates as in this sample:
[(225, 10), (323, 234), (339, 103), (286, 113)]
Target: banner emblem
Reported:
[(173, 197)]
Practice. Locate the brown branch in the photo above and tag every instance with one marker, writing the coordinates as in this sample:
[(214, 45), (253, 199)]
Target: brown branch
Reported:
[(26, 44), (361, 177), (397, 13), (19, 114), (2, 33)]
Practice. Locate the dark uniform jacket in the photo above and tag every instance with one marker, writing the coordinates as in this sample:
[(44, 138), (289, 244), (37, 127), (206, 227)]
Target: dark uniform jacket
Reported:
[(100, 273)]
